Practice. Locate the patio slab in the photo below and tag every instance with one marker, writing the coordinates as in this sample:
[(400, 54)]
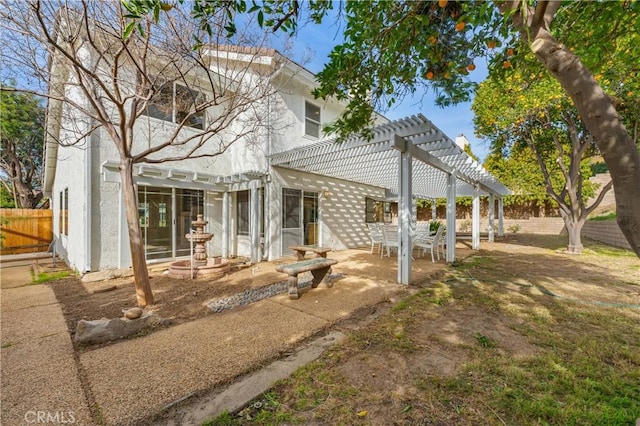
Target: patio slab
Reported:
[(345, 296)]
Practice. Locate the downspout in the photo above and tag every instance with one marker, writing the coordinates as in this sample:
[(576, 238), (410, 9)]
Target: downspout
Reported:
[(88, 158), (267, 193)]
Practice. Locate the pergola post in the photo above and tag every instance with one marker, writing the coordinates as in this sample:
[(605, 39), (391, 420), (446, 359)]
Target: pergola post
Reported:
[(266, 217), (405, 245), (492, 218), (434, 212), (500, 218), (254, 229), (451, 218), (224, 243), (475, 220)]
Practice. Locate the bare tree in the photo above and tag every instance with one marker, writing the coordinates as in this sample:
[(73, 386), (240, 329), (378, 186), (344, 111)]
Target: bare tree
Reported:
[(99, 80)]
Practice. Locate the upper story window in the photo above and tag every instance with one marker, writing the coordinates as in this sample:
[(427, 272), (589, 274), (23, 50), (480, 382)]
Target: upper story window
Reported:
[(311, 120), (174, 103)]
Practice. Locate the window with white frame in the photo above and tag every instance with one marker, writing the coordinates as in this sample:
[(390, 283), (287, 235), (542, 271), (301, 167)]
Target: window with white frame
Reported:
[(377, 211), (63, 212), (177, 103), (311, 120), (242, 216)]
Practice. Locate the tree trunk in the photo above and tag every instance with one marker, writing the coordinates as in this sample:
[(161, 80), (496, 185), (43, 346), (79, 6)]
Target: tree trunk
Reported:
[(138, 261), (599, 115), (27, 197), (574, 231)]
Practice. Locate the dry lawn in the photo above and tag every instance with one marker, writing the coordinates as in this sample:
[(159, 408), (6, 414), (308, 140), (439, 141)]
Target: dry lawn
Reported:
[(518, 333)]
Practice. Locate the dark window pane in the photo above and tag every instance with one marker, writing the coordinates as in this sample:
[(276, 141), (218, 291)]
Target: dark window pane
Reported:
[(242, 222), (312, 120), (186, 102), (291, 210), (161, 105)]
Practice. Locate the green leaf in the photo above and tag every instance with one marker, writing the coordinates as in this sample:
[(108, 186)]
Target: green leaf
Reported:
[(156, 12), (128, 29)]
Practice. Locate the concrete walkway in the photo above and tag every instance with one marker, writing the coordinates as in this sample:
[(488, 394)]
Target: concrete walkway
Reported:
[(40, 381)]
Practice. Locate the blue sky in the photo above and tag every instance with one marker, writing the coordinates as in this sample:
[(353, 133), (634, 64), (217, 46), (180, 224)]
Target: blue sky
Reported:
[(320, 39)]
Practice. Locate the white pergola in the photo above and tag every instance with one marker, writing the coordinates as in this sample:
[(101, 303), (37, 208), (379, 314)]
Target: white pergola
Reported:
[(409, 157)]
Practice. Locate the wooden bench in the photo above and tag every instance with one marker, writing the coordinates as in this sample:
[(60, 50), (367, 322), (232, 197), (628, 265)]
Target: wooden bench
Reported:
[(319, 267)]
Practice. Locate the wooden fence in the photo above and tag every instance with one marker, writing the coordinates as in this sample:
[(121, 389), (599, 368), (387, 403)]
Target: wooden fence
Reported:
[(25, 230)]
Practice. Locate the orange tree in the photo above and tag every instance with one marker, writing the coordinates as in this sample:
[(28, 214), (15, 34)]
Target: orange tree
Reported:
[(538, 141), (394, 48)]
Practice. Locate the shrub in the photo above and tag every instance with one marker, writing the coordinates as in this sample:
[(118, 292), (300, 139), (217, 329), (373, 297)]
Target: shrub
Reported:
[(514, 228)]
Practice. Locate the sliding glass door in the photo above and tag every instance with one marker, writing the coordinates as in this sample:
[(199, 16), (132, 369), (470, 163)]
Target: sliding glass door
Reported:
[(299, 218), (165, 218), (189, 203)]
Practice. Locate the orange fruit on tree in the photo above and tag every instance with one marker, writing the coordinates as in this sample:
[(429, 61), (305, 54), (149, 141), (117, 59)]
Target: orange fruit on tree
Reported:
[(460, 26), (507, 64), (471, 67), (430, 75), (443, 3), (491, 44), (510, 52)]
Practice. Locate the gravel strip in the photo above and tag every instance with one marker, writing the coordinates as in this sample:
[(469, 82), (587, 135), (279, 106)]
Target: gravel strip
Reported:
[(256, 294)]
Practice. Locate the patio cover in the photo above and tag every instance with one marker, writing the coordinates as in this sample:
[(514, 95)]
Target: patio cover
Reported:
[(410, 157)]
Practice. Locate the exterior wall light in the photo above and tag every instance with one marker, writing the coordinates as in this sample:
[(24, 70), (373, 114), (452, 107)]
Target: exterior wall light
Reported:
[(325, 194)]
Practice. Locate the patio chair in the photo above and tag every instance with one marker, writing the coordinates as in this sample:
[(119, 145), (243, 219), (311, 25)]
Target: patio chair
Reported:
[(425, 242), (375, 233), (422, 227), (390, 235)]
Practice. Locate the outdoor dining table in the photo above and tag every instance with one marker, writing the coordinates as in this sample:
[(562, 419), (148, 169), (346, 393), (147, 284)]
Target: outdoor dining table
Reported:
[(302, 250)]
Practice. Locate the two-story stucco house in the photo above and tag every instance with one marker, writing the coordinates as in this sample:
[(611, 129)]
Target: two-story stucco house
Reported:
[(280, 186)]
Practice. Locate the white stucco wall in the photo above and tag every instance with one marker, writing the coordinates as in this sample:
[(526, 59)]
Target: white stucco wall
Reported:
[(342, 215), (71, 174), (282, 121)]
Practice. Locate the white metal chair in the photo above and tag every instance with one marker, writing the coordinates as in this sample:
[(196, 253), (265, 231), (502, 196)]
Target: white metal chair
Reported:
[(375, 233), (390, 234), (425, 242), (421, 228)]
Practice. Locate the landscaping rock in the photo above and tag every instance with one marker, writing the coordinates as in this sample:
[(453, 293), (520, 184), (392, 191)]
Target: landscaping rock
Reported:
[(106, 274), (106, 330), (133, 313)]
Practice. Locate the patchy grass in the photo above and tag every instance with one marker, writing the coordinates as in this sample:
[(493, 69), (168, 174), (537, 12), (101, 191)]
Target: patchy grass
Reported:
[(482, 346), (607, 216), (44, 277), (224, 419), (606, 250)]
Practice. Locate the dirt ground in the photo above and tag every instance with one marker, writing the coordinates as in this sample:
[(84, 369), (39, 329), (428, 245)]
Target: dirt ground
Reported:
[(183, 300), (176, 300)]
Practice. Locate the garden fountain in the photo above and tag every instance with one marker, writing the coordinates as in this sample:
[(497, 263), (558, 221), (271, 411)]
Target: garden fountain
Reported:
[(199, 265)]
